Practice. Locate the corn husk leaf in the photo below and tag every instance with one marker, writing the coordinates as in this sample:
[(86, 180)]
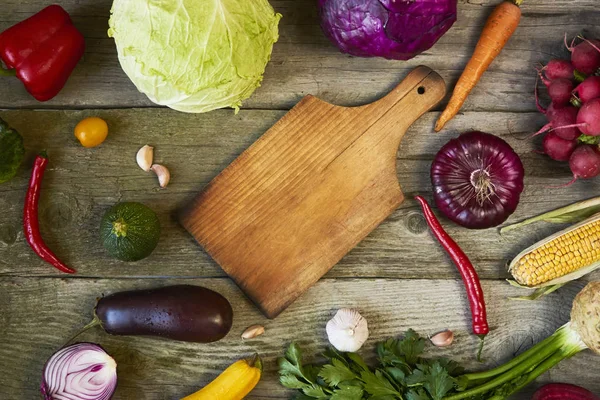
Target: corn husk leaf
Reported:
[(565, 278), (572, 213), (537, 293)]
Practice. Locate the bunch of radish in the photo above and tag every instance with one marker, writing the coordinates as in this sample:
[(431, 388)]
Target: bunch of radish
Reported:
[(573, 130)]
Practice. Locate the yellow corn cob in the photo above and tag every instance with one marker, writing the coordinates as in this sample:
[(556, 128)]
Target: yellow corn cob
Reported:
[(576, 250)]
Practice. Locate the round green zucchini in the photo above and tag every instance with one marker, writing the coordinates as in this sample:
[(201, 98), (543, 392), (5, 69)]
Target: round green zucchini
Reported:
[(130, 231)]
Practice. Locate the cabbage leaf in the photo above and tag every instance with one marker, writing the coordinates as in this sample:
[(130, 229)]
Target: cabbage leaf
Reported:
[(194, 55)]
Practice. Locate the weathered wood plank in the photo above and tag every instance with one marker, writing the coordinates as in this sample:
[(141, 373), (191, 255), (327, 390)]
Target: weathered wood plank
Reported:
[(81, 184), (38, 315), (305, 62)]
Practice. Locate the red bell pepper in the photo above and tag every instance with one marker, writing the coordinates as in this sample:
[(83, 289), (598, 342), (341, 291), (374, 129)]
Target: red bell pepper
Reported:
[(42, 51)]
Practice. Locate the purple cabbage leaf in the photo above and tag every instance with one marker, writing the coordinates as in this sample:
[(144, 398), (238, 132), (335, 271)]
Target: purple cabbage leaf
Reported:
[(393, 29)]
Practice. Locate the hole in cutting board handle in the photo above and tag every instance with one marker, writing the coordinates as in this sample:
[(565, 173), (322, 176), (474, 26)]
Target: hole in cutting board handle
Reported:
[(421, 90)]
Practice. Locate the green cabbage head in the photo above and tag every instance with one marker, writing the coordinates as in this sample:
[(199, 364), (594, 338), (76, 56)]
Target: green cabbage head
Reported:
[(194, 55)]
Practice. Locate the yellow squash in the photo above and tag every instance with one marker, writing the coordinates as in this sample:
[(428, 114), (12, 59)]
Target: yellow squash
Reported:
[(233, 384)]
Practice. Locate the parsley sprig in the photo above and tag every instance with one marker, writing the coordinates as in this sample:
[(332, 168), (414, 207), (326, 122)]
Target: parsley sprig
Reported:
[(402, 373)]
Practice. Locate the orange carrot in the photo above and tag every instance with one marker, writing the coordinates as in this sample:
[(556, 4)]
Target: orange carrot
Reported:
[(498, 28)]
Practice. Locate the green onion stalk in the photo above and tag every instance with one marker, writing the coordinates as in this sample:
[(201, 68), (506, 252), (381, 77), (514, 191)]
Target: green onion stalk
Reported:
[(580, 333)]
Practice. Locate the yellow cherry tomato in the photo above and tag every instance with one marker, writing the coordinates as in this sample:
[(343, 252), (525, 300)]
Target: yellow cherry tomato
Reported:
[(91, 131)]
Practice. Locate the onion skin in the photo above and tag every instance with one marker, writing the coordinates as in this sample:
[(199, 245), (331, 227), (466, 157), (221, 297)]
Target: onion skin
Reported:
[(477, 180), (563, 391), (79, 371)]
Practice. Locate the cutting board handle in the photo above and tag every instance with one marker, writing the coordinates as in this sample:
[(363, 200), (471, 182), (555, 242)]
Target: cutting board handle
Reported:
[(420, 91)]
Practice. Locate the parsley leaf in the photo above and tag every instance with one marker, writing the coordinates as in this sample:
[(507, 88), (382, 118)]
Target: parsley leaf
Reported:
[(411, 347), (332, 353), (292, 363), (291, 382), (294, 354), (336, 372), (453, 368), (315, 391), (396, 374), (377, 385), (417, 378), (348, 393), (311, 372), (417, 394), (438, 382), (287, 368), (302, 396), (358, 361), (401, 375), (402, 353)]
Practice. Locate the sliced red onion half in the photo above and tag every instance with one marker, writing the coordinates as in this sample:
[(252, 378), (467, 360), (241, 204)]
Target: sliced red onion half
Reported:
[(81, 371), (477, 180)]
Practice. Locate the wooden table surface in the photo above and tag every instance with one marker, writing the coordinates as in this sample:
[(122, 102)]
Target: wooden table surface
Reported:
[(398, 277)]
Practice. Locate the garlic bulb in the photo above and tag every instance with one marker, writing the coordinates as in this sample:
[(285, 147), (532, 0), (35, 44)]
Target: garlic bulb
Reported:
[(144, 157), (347, 330), (163, 174)]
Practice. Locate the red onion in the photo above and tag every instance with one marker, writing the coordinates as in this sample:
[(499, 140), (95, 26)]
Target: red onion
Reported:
[(477, 179), (81, 371)]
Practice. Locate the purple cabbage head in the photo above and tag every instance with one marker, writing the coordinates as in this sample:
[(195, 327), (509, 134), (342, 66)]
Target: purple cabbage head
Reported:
[(394, 29)]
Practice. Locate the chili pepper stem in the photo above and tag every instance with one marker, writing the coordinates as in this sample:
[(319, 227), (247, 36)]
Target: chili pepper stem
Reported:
[(8, 72), (480, 349)]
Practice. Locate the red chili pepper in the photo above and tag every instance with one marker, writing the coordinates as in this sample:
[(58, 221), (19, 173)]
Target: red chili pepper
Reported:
[(42, 51), (31, 225), (466, 269)]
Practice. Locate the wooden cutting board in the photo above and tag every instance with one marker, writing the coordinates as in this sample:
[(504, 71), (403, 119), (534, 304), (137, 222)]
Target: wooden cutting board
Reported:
[(305, 193)]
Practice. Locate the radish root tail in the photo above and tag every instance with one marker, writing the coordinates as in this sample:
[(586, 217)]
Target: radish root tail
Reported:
[(537, 99), (570, 48), (545, 128), (572, 181), (590, 43)]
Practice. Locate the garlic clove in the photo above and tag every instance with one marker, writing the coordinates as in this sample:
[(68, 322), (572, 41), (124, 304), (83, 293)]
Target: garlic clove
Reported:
[(347, 330), (144, 157), (442, 339), (163, 174), (253, 331)]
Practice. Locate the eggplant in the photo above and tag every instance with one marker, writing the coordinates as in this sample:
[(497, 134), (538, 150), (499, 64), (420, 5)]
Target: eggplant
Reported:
[(181, 312)]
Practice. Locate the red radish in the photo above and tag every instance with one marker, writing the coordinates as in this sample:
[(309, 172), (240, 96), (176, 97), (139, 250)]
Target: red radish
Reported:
[(557, 69), (563, 391), (553, 109), (588, 118), (585, 57), (584, 162), (548, 112), (589, 89), (557, 148), (563, 121), (560, 91), (537, 98)]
